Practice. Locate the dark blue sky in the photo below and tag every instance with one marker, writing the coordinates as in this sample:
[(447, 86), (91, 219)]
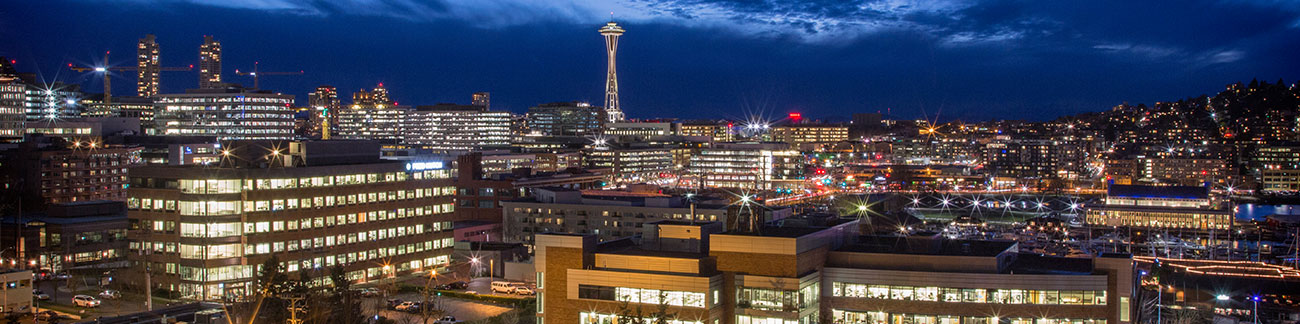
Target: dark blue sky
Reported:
[(973, 60)]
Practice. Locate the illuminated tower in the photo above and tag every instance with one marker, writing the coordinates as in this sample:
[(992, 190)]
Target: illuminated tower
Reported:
[(148, 67), (612, 31), (209, 63)]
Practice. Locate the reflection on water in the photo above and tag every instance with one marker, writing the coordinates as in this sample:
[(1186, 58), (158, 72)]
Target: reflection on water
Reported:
[(1247, 212)]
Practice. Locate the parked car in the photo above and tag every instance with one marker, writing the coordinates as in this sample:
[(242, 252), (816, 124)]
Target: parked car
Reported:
[(110, 294), (40, 295), (503, 287), (369, 292), (523, 290), (62, 276), (393, 302), (85, 301), (455, 285), (406, 306), (447, 320)]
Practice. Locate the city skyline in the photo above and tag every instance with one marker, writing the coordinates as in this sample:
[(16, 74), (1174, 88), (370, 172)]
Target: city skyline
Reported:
[(968, 61)]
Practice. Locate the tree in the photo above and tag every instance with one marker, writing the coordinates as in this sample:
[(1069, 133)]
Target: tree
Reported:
[(343, 302)]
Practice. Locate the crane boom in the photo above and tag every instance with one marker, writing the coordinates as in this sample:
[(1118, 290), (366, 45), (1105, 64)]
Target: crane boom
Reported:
[(257, 74), (108, 88)]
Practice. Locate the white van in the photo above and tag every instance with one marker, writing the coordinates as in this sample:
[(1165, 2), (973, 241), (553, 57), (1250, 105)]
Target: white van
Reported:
[(505, 287)]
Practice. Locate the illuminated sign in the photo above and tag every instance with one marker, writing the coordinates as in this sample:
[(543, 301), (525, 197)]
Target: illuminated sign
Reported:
[(421, 166)]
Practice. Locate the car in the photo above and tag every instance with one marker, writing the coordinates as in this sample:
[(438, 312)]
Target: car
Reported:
[(393, 302), (406, 306), (62, 276), (40, 295), (85, 301), (455, 285), (369, 292), (110, 294), (523, 290), (446, 320), (503, 287)]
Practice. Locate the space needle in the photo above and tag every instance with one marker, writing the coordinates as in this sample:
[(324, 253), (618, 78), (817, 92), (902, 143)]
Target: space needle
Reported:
[(612, 31)]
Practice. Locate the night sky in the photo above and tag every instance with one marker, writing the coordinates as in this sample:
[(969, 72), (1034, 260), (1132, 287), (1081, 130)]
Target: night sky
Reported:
[(971, 60)]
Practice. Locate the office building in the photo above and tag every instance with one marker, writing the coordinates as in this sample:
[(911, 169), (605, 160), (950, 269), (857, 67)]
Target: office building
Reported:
[(631, 164), (799, 134), (148, 68), (566, 119), (715, 131), (128, 107), (210, 63), (324, 109), (605, 214), (51, 101), (202, 231), (641, 130), (76, 235), (698, 273), (371, 122), (50, 170), (749, 165), (16, 287), (479, 194), (13, 112), (450, 127), (227, 113), (1166, 207), (1280, 180), (90, 129)]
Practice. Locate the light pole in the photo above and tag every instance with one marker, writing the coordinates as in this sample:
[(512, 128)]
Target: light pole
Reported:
[(1255, 312)]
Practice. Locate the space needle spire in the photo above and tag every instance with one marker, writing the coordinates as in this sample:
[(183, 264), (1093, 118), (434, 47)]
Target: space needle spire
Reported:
[(612, 31)]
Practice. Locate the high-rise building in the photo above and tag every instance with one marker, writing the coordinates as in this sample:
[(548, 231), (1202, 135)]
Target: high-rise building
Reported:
[(228, 114), (13, 112), (613, 112), (450, 127), (565, 119), (324, 104), (148, 68), (204, 231), (482, 99), (378, 96), (209, 63)]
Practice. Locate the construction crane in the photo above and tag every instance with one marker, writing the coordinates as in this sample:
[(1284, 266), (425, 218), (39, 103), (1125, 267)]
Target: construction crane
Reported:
[(108, 88), (257, 74)]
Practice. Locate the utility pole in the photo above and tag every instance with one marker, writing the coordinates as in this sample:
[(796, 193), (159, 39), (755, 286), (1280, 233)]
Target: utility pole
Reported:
[(294, 309)]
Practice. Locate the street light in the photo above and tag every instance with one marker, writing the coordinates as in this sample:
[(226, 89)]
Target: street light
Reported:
[(1222, 297)]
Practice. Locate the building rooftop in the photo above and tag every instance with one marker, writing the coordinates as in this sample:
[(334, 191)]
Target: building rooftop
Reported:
[(1170, 192), (930, 245)]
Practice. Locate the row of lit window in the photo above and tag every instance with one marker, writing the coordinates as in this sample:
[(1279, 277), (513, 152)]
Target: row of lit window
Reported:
[(970, 295)]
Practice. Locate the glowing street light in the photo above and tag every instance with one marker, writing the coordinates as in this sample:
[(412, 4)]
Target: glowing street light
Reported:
[(1222, 297)]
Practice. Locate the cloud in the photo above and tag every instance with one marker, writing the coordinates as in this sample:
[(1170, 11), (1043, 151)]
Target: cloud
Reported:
[(949, 23)]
